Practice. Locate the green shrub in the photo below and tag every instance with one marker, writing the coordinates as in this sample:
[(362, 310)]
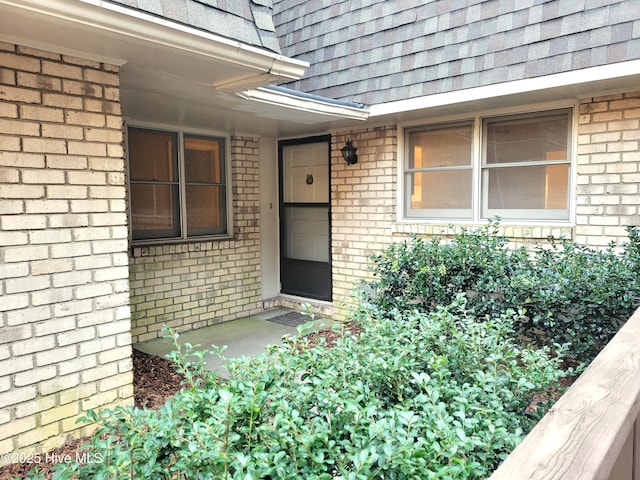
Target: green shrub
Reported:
[(424, 274), (413, 396), (570, 294)]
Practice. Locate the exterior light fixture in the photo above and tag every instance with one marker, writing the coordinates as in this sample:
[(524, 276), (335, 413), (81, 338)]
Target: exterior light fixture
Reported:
[(349, 153)]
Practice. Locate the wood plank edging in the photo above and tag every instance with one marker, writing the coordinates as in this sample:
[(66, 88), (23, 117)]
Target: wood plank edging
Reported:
[(582, 435)]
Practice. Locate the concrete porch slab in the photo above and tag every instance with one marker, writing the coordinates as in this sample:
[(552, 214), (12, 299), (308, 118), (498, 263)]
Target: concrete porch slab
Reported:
[(243, 337)]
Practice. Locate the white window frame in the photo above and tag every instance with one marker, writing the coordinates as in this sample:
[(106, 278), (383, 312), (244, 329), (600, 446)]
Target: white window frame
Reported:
[(180, 134), (404, 215), (441, 214)]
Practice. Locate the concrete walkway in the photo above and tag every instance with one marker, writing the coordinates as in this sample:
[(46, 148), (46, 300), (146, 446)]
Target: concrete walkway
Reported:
[(243, 337)]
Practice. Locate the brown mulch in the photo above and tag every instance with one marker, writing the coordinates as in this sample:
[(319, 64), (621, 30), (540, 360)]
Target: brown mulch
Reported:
[(556, 392), (154, 382), (330, 336)]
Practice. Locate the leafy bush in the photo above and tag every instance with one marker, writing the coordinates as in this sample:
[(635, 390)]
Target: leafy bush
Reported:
[(570, 293), (413, 396)]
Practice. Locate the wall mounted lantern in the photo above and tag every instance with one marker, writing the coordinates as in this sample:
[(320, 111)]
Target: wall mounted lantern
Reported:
[(349, 153)]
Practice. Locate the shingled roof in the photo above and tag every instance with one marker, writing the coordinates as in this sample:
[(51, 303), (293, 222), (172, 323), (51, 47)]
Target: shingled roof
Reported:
[(248, 21), (375, 51)]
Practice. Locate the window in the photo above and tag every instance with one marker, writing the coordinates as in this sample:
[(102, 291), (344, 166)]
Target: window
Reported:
[(439, 174), (516, 167), (525, 169), (177, 185)]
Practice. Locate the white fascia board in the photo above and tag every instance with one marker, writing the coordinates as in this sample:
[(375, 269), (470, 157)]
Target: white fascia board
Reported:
[(308, 105), (559, 80), (134, 24)]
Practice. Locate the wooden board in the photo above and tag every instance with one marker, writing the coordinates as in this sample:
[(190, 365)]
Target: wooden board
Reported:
[(589, 434)]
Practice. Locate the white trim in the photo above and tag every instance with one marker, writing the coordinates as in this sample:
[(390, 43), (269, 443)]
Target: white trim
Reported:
[(180, 131), (477, 223), (575, 77), (177, 127), (472, 115), (311, 301), (401, 202), (477, 149), (146, 28), (573, 166), (309, 105), (476, 161), (73, 52)]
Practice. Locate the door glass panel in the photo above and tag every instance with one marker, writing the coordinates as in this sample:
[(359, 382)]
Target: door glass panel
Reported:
[(305, 172), (307, 233), (305, 263)]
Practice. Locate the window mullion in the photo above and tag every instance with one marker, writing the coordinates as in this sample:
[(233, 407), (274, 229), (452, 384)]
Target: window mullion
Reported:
[(439, 169), (476, 161), (182, 189), (526, 164)]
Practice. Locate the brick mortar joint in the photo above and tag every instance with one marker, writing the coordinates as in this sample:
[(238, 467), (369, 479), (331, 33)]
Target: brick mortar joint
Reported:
[(184, 248)]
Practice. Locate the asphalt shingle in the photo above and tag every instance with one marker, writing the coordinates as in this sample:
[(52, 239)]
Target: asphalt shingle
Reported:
[(247, 21), (448, 44), (177, 11)]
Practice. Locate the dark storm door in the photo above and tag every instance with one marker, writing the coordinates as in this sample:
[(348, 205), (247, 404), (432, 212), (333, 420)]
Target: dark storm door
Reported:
[(305, 256)]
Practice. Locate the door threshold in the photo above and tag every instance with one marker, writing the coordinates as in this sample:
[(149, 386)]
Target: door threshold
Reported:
[(293, 302)]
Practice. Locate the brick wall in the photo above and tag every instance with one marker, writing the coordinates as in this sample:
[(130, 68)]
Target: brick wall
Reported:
[(65, 342), (363, 207), (364, 197), (608, 198), (196, 284)]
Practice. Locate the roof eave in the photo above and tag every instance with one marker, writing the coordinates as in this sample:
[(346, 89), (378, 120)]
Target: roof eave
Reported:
[(605, 79), (299, 101), (113, 19)]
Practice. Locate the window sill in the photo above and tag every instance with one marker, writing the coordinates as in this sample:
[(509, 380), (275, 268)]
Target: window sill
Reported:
[(148, 248), (513, 230)]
